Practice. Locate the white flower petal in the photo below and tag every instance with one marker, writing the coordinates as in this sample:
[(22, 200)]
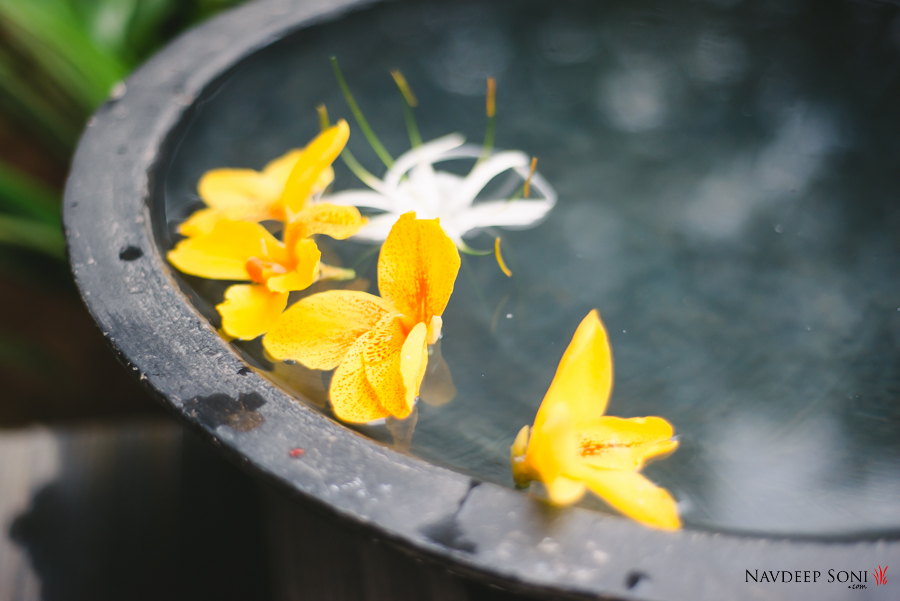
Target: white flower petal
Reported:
[(484, 172), (429, 191), (377, 229), (413, 184), (427, 153), (361, 198), (502, 213)]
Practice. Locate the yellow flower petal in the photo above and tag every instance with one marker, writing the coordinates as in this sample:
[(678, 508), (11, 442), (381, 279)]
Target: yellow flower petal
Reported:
[(249, 310), (417, 268), (279, 170), (583, 380), (553, 457), (319, 330), (635, 496), (241, 190), (414, 362), (337, 221), (306, 269), (201, 222), (222, 254), (381, 349), (625, 444), (247, 195), (352, 397), (317, 157), (521, 469)]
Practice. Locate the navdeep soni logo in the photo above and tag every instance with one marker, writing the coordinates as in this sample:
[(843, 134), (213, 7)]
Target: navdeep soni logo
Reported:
[(852, 579)]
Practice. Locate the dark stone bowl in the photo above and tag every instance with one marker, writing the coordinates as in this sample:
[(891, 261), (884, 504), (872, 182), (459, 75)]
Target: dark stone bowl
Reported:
[(113, 223)]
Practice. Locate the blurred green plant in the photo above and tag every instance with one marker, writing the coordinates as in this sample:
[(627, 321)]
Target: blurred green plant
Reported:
[(59, 60)]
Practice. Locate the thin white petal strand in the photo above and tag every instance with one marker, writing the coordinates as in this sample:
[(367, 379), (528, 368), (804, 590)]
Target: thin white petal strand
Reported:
[(503, 213), (427, 153), (361, 198), (484, 172), (377, 229)]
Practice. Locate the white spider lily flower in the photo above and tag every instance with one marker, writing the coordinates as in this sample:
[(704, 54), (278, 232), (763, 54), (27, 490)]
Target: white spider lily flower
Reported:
[(413, 184)]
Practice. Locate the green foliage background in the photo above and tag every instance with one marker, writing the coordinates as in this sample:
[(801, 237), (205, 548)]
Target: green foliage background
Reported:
[(59, 60)]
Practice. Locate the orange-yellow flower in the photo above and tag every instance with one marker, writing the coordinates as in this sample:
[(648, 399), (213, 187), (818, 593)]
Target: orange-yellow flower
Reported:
[(244, 251), (225, 242), (378, 345), (279, 192), (572, 447)]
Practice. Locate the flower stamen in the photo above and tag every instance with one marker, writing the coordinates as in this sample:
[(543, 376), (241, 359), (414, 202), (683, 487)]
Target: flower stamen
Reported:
[(503, 267), (261, 270), (490, 109), (409, 103), (526, 187)]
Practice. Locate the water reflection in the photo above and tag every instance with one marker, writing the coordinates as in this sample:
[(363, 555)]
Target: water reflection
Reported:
[(728, 200)]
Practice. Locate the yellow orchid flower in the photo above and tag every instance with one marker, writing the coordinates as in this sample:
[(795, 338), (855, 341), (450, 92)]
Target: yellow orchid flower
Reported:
[(245, 251), (226, 242), (279, 192), (378, 345), (572, 447)]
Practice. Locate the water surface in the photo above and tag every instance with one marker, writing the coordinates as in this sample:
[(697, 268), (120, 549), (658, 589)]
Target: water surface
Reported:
[(728, 183)]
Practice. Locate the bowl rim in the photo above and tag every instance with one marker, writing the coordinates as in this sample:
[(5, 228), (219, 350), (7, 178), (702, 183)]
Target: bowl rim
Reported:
[(478, 528)]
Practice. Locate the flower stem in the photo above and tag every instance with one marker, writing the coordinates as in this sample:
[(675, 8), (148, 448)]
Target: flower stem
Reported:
[(361, 173), (468, 250), (358, 116)]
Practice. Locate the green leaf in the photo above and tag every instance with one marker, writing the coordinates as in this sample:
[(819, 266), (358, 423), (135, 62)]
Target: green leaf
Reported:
[(51, 121), (22, 195), (33, 235), (50, 33), (128, 28)]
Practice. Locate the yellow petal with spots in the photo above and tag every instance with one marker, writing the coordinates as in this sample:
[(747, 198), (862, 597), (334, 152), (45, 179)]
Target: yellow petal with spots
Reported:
[(635, 496), (336, 221), (417, 268), (352, 397), (583, 380), (625, 444), (305, 271), (319, 330), (381, 349), (222, 254), (307, 172), (249, 310)]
